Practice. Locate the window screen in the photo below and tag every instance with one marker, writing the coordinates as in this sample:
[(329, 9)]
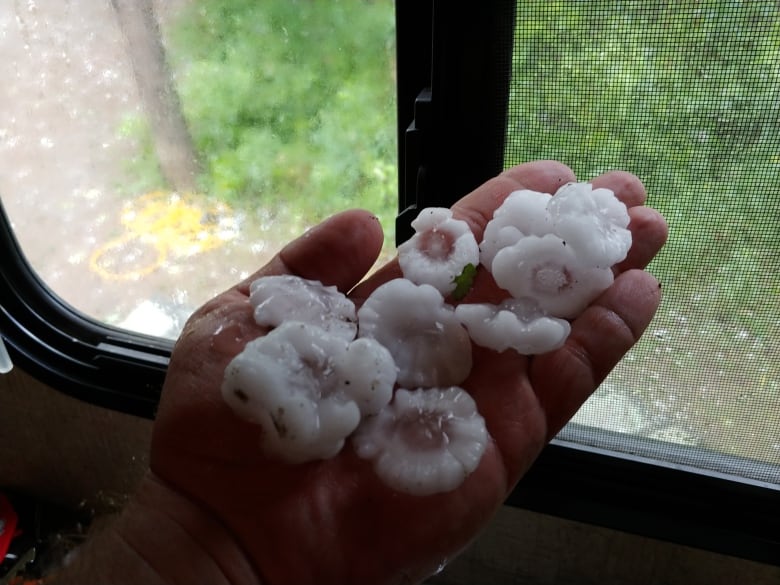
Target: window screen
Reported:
[(154, 152), (687, 96)]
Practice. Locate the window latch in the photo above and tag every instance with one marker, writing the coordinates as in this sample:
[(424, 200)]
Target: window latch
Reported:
[(415, 165)]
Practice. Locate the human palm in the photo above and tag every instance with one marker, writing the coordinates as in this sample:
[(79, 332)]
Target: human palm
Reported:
[(334, 521)]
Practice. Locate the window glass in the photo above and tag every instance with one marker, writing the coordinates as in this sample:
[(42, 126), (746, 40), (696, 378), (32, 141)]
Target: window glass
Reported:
[(154, 153), (685, 95)]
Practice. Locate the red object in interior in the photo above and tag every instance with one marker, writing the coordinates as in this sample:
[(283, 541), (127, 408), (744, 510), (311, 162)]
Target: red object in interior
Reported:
[(8, 522)]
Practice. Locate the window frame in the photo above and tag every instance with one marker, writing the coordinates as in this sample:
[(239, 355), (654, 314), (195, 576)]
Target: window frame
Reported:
[(63, 348), (664, 500), (438, 162)]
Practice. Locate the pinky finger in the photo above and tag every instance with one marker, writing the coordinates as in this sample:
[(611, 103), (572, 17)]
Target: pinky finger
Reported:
[(599, 339), (648, 234)]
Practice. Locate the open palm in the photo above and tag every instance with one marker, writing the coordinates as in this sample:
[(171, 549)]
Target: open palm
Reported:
[(333, 521)]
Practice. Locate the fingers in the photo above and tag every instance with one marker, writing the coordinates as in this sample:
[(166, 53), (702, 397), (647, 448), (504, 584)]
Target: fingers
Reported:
[(600, 337), (338, 252), (626, 187), (648, 228), (648, 234), (499, 384), (477, 207)]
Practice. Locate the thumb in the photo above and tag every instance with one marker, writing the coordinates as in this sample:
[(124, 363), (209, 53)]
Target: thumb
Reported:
[(338, 252)]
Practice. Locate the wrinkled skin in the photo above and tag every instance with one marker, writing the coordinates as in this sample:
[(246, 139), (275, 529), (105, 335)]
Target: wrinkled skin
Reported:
[(333, 521)]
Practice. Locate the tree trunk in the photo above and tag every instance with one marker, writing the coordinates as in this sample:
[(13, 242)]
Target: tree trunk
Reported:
[(172, 141)]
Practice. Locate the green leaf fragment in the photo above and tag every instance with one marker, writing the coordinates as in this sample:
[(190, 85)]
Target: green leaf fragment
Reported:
[(464, 281)]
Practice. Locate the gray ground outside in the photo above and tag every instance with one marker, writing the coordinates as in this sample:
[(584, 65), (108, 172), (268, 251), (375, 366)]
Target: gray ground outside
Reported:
[(67, 87)]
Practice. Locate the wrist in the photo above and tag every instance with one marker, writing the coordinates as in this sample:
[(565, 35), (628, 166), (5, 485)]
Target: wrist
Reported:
[(179, 540), (160, 538)]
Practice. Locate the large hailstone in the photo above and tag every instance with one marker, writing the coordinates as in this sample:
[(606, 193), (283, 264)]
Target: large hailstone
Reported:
[(518, 324), (426, 441), (421, 331), (439, 250), (593, 222), (548, 271), (307, 389), (281, 298), (523, 213)]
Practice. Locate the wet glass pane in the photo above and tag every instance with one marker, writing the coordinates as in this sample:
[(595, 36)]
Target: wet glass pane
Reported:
[(686, 96), (154, 153)]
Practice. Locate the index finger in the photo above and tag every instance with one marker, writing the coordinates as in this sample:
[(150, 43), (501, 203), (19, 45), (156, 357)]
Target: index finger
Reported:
[(477, 208)]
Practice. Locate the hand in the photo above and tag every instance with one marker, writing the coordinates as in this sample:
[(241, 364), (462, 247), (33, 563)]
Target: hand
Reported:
[(333, 521)]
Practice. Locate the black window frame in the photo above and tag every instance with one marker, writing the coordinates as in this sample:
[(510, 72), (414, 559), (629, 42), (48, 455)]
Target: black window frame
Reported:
[(451, 134), (70, 352)]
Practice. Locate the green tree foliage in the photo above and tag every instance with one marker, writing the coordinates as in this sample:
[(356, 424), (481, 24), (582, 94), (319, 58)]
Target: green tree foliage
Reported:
[(291, 103), (687, 96)]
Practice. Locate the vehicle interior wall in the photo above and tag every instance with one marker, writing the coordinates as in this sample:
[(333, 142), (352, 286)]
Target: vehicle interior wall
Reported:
[(66, 451)]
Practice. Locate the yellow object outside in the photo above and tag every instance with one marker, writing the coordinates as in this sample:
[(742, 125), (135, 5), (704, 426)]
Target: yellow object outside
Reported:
[(160, 225)]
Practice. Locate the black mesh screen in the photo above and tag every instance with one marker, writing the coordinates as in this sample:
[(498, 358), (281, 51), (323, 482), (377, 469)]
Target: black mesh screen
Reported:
[(687, 96)]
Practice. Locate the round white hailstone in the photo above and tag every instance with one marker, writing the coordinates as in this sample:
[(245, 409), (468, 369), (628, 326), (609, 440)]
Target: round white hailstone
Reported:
[(523, 213), (285, 383), (439, 250), (593, 222), (281, 298), (547, 270), (426, 441), (426, 340), (366, 374), (515, 323), (497, 236)]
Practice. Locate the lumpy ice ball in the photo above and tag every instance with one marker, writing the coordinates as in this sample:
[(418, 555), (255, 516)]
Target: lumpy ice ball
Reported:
[(558, 250), (593, 222), (426, 441), (439, 250), (517, 324), (281, 298), (549, 272), (421, 332), (523, 213), (307, 388)]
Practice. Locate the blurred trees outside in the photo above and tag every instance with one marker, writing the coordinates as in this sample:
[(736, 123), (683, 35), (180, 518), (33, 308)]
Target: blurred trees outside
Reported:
[(290, 105), (167, 128), (687, 96)]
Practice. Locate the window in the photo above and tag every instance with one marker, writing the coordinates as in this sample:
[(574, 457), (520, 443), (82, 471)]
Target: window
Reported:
[(154, 154)]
